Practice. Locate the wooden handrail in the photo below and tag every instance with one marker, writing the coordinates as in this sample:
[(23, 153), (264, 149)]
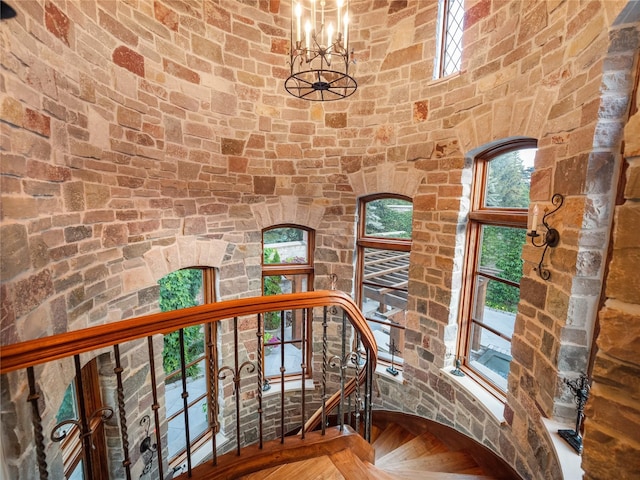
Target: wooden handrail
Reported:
[(42, 350)]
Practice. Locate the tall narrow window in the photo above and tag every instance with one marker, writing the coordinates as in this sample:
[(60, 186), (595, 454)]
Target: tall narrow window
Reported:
[(497, 233), (448, 58), (384, 243), (287, 267), (182, 289)]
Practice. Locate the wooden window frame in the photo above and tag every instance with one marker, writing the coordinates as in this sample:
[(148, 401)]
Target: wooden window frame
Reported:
[(364, 242), (307, 269), (480, 216), (71, 445), (208, 289)]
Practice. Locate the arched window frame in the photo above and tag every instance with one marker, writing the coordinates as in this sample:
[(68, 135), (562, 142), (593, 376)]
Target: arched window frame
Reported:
[(305, 271), (480, 216), (200, 438), (366, 243)]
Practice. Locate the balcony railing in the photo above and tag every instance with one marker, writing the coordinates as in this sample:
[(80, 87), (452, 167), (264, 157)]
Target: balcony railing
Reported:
[(120, 427)]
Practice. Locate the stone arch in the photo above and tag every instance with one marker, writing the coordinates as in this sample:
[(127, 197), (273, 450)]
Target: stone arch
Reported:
[(185, 252), (403, 179), (290, 209)]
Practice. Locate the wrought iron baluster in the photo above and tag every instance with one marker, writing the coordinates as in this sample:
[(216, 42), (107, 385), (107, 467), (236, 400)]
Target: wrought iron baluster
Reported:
[(36, 419), (356, 359), (282, 371), (303, 367), (324, 370), (343, 369), (368, 398), (126, 462), (212, 345), (261, 383), (185, 398), (155, 407), (236, 371)]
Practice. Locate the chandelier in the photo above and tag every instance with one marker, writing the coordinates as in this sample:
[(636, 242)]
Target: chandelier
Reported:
[(319, 53)]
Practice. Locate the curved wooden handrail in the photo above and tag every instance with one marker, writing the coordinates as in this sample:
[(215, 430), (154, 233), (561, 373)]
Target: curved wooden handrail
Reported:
[(43, 350)]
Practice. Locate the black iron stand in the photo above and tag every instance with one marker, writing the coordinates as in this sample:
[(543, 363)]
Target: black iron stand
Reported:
[(392, 348), (580, 388)]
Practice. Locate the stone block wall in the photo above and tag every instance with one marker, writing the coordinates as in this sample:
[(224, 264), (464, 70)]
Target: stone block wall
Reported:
[(611, 440), (142, 137)]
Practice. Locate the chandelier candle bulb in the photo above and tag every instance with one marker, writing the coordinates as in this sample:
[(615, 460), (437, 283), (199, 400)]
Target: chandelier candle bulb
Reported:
[(298, 15), (320, 61)]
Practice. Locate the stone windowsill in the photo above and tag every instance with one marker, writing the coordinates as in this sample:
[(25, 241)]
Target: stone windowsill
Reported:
[(381, 371), (492, 405), (289, 386), (568, 458)]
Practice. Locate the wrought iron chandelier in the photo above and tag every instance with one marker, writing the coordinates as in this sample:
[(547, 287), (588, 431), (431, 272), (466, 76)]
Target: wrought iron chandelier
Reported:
[(319, 53)]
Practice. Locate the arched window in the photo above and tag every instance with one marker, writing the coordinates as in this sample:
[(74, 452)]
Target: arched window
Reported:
[(493, 261), (182, 289), (287, 267), (383, 246)]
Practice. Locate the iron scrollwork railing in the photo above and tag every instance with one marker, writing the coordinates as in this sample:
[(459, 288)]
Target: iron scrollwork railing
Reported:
[(348, 347)]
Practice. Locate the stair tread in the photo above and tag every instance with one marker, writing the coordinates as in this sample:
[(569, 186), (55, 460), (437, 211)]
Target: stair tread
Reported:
[(424, 444), (451, 462), (319, 468), (355, 469), (421, 475), (391, 438)]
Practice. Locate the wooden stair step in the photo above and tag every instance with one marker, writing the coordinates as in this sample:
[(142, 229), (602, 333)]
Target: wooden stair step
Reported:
[(375, 433), (420, 446), (320, 468), (391, 438), (420, 475), (352, 468), (452, 462)]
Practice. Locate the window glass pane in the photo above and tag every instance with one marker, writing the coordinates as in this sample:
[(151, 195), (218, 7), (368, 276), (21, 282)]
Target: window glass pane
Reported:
[(508, 179), (193, 349), (490, 355), (388, 218), (501, 253), (78, 473), (452, 60), (495, 305), (68, 409), (198, 422), (292, 358), (181, 289), (384, 297), (285, 245)]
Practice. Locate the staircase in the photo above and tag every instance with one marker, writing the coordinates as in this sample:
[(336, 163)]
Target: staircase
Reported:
[(406, 448)]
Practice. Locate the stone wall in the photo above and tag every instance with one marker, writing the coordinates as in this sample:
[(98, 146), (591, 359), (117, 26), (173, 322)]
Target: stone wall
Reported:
[(143, 136), (611, 441)]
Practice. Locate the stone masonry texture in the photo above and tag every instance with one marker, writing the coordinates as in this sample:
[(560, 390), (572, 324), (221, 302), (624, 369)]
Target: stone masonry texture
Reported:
[(144, 136)]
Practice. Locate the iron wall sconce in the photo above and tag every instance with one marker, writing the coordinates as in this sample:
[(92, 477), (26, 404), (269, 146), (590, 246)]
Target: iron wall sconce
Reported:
[(551, 237)]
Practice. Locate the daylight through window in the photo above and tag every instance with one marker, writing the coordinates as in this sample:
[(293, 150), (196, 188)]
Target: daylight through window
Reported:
[(384, 244), (182, 289), (287, 267), (497, 233), (448, 58)]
